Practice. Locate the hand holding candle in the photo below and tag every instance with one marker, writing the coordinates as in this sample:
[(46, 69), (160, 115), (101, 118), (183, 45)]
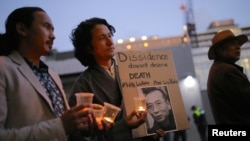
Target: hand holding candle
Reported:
[(97, 111), (110, 112), (140, 103), (84, 98)]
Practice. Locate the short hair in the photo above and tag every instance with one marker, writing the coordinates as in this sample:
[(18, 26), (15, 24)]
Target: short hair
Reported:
[(147, 90), (193, 107)]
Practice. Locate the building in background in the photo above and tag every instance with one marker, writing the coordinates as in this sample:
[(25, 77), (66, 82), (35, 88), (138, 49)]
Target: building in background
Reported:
[(66, 65)]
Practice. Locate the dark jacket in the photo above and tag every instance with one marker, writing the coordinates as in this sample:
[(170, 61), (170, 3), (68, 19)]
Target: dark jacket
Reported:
[(106, 89), (229, 93)]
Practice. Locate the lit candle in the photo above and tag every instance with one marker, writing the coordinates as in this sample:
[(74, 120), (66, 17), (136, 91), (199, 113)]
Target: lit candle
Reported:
[(140, 108), (98, 119), (140, 104), (108, 119)]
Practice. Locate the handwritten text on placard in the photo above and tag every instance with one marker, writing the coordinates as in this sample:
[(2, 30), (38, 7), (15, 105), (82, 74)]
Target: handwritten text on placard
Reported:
[(142, 66)]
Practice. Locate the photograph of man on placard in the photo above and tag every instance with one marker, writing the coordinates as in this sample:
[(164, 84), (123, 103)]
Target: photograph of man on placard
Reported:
[(159, 109)]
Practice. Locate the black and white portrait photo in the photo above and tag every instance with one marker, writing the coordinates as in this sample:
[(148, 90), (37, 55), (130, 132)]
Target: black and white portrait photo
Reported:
[(158, 104)]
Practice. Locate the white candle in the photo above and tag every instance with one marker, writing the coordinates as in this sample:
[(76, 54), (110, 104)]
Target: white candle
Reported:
[(108, 119), (140, 108)]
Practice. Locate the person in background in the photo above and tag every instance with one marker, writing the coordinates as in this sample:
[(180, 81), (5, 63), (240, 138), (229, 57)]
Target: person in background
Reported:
[(228, 87), (94, 48), (200, 121), (33, 105)]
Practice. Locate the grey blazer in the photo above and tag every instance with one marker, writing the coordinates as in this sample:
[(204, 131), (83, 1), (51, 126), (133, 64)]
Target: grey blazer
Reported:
[(26, 112)]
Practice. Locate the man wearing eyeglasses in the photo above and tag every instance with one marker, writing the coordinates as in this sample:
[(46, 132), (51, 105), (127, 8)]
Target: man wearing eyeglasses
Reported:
[(159, 107)]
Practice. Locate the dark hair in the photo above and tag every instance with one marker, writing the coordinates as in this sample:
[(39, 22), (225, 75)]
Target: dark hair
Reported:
[(147, 90), (193, 107), (9, 41), (81, 38)]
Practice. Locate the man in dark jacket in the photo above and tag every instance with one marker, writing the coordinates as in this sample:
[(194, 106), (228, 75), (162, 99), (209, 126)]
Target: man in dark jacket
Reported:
[(227, 86)]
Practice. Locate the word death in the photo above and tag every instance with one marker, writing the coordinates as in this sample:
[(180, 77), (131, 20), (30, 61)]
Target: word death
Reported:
[(139, 75)]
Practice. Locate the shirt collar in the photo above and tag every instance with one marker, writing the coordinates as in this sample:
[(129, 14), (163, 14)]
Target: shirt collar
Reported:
[(42, 66), (111, 70)]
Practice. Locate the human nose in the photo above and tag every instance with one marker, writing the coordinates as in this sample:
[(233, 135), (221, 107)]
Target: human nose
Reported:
[(155, 109), (52, 36), (110, 41)]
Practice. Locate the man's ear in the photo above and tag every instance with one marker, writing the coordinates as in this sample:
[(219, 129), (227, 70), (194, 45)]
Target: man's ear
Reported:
[(21, 29)]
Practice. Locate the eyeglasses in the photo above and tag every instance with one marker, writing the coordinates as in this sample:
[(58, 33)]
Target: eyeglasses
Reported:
[(158, 104)]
